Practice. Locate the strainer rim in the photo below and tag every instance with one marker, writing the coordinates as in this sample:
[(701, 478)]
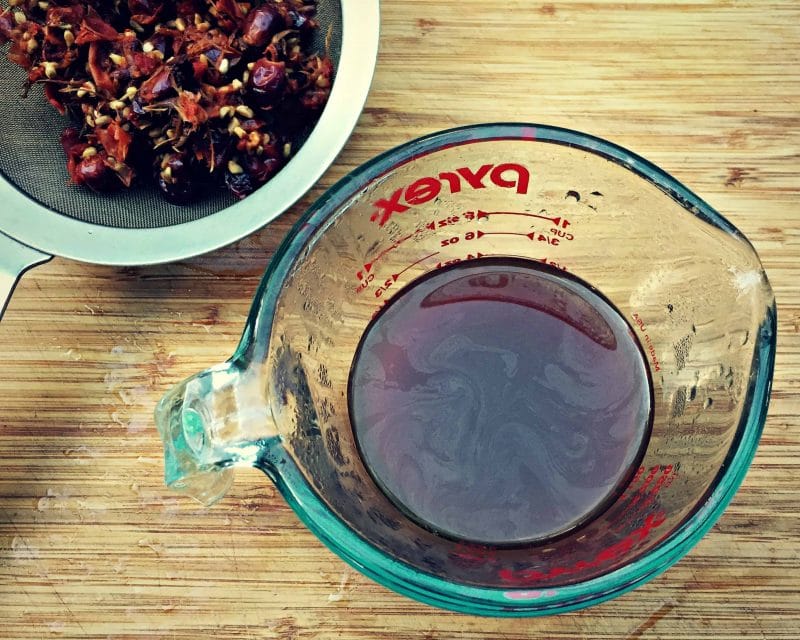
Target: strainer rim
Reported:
[(39, 227)]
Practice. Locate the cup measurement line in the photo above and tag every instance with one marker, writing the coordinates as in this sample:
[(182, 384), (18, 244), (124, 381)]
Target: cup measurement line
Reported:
[(397, 275), (530, 235), (556, 220), (368, 265), (393, 278)]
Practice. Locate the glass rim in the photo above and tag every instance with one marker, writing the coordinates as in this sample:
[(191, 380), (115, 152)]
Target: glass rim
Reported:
[(513, 601)]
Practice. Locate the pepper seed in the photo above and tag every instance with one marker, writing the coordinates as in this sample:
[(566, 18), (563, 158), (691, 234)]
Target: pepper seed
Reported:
[(50, 69), (244, 110)]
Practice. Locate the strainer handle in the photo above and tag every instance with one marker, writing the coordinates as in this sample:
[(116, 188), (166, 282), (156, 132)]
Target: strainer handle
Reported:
[(15, 259)]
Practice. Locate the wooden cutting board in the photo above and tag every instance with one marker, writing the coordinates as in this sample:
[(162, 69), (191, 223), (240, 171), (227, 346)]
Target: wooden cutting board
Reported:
[(93, 546)]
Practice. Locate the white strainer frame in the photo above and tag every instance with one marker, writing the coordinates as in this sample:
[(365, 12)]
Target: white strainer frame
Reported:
[(26, 222)]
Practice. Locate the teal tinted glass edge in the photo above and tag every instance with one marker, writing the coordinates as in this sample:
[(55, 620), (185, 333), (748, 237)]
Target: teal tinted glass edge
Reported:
[(428, 588)]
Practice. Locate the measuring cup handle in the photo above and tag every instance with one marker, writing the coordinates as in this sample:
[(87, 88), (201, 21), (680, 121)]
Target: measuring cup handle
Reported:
[(15, 259), (211, 422)]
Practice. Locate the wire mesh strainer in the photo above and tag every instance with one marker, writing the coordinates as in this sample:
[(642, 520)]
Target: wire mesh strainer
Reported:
[(41, 214)]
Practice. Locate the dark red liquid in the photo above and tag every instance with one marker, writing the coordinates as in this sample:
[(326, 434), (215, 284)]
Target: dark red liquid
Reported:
[(499, 401)]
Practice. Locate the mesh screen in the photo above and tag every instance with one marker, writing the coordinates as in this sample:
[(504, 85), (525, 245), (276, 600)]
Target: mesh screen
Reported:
[(31, 157)]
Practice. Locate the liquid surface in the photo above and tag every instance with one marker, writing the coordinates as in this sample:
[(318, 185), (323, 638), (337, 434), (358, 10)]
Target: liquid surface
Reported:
[(498, 401)]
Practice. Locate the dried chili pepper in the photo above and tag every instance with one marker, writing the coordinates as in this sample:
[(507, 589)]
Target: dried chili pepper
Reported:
[(198, 90)]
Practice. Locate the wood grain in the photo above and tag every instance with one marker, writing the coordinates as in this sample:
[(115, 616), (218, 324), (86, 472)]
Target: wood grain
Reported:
[(93, 546)]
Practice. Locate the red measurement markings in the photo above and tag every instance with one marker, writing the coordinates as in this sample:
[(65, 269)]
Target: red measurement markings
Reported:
[(475, 215), (389, 282), (542, 237), (506, 233), (442, 222), (561, 233), (660, 477), (394, 246), (556, 220), (468, 236), (641, 507), (531, 235), (469, 256), (365, 275), (642, 534), (553, 263), (397, 275)]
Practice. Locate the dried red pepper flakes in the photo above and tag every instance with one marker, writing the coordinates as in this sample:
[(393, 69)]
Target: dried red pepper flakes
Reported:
[(199, 89)]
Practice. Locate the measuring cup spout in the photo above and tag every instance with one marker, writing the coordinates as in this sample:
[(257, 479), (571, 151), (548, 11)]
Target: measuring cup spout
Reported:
[(211, 422)]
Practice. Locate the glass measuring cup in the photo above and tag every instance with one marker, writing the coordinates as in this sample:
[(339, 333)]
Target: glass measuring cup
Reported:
[(688, 284)]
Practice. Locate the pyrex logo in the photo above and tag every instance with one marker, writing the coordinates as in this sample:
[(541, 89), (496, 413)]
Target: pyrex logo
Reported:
[(508, 175)]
